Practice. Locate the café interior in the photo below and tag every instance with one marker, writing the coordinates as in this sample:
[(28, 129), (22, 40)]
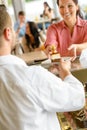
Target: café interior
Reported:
[(76, 120)]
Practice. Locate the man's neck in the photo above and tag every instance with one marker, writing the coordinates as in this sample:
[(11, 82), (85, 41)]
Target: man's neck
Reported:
[(4, 51)]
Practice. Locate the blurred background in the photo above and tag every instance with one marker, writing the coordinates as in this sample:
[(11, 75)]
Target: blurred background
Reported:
[(33, 8)]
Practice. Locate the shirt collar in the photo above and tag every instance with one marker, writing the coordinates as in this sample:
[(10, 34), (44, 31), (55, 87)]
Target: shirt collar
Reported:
[(78, 23)]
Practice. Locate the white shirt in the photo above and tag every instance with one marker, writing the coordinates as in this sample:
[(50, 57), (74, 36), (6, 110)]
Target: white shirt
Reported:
[(31, 96)]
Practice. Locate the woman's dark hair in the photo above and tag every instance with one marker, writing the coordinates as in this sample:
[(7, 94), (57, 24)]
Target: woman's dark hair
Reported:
[(45, 3), (34, 31), (78, 11)]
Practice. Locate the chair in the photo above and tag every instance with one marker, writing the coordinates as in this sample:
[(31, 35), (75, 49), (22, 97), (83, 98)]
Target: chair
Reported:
[(17, 50)]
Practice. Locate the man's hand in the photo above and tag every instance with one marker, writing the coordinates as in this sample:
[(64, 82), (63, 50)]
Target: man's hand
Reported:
[(64, 68), (18, 30)]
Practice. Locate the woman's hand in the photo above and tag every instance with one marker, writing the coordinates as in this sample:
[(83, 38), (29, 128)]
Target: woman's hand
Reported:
[(50, 49), (73, 49)]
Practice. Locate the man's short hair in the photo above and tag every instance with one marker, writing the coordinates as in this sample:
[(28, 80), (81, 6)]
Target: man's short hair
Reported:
[(5, 21), (21, 13), (3, 7)]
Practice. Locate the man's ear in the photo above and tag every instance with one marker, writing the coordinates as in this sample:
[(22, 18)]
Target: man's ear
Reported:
[(7, 33)]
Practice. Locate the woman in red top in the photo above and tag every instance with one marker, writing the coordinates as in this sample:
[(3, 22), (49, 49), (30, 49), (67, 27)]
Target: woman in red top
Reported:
[(70, 34)]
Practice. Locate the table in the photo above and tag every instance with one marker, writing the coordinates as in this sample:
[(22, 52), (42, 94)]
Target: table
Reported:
[(78, 71), (43, 21), (33, 57), (37, 57)]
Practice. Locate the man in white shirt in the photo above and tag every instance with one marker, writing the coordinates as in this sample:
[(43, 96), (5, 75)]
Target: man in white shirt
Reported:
[(31, 96)]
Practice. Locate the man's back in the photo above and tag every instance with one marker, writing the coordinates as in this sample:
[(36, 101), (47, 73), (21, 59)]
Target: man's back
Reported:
[(29, 97), (21, 108)]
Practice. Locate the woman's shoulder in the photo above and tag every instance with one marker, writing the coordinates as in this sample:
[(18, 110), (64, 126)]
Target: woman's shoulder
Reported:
[(84, 22), (81, 22)]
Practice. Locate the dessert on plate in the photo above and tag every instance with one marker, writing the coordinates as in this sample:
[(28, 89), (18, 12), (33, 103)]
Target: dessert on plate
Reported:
[(55, 56)]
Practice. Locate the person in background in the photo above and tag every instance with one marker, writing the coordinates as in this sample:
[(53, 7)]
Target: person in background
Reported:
[(47, 14), (19, 26), (30, 96), (32, 39), (71, 30)]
